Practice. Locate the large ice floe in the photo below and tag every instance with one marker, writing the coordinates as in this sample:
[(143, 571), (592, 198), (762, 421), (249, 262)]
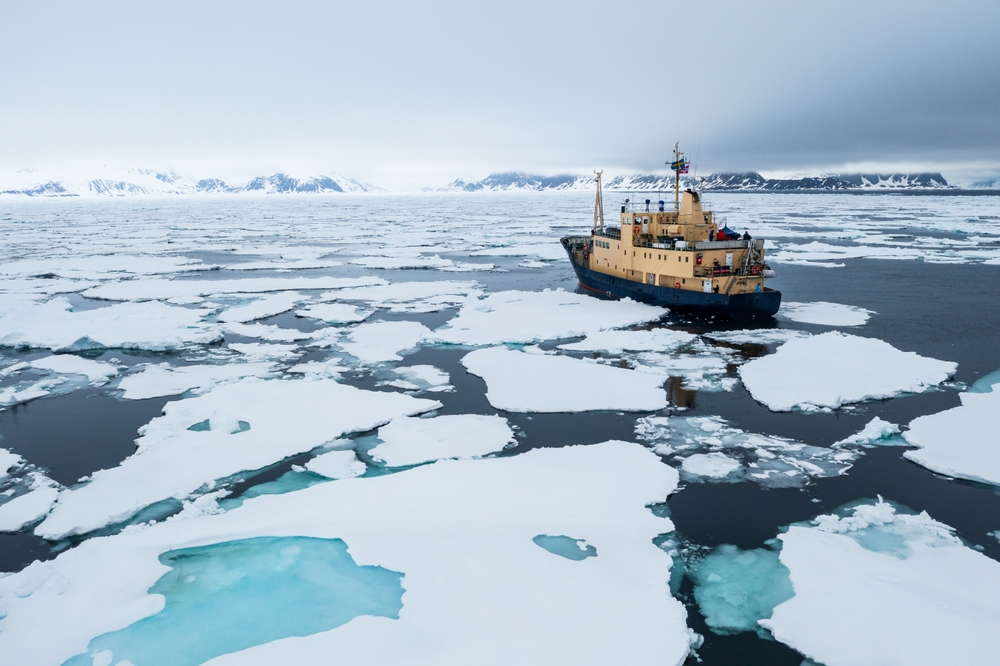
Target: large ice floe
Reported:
[(233, 428), (411, 441), (533, 381), (54, 325), (161, 289), (833, 369), (877, 586), (825, 314), (710, 448), (525, 316), (152, 381), (383, 341), (478, 588), (962, 441)]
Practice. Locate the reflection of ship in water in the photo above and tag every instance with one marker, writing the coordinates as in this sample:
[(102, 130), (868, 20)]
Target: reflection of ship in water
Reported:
[(678, 395), (676, 258)]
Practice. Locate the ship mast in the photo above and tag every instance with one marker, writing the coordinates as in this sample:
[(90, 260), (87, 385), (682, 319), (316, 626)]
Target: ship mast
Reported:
[(599, 205), (677, 176)]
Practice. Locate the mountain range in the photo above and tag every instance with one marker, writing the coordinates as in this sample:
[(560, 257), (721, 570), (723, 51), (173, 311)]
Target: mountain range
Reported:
[(720, 182), (144, 182)]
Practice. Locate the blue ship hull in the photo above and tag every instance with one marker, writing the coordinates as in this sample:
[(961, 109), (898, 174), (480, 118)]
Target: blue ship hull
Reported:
[(736, 306)]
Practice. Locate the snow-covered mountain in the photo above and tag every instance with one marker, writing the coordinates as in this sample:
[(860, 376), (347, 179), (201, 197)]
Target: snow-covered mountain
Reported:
[(721, 182), (145, 182), (991, 184)]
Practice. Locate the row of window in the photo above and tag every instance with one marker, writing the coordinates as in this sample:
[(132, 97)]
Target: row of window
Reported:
[(659, 257), (603, 244)]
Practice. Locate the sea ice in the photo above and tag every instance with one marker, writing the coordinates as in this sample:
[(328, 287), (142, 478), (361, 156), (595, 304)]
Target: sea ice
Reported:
[(259, 351), (268, 332), (528, 316), (334, 313), (383, 341), (551, 251), (736, 588), (876, 431), (283, 418), (267, 306), (832, 369), (418, 378), (961, 441), (704, 371), (443, 293), (825, 314), (519, 381), (713, 465), (153, 381), (30, 507), (152, 326), (8, 461), (156, 289), (411, 441), (758, 336), (617, 342), (337, 465), (874, 586), (478, 589), (96, 372)]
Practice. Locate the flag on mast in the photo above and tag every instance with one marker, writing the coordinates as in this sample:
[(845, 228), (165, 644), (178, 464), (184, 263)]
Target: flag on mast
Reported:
[(681, 166)]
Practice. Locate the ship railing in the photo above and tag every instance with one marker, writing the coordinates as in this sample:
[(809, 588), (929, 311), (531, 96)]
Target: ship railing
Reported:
[(722, 245), (715, 271), (609, 232)]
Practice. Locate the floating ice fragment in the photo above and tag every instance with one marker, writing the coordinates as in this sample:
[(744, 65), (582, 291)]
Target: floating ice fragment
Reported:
[(419, 378), (564, 546), (159, 380), (267, 306), (8, 460), (532, 382), (525, 316), (760, 336), (258, 352), (411, 441), (833, 369), (337, 465), (146, 290), (333, 313), (97, 372), (383, 341), (267, 332), (825, 314), (440, 293), (616, 342), (876, 431), (713, 465), (30, 507), (961, 441), (736, 588), (876, 587)]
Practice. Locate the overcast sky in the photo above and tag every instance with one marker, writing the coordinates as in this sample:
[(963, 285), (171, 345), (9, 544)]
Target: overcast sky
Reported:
[(406, 94)]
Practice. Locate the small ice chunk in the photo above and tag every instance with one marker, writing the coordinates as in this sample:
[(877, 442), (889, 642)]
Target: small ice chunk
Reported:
[(334, 313), (829, 370), (534, 382), (383, 341), (267, 306), (714, 465), (411, 441), (616, 342), (420, 378), (759, 336), (876, 432), (97, 372), (267, 332), (825, 314), (158, 380), (30, 507), (337, 465), (258, 351), (8, 460)]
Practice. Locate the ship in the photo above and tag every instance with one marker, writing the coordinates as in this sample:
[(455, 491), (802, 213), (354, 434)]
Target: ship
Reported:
[(677, 258)]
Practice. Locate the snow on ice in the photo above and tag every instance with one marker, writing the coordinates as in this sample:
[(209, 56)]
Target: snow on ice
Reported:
[(269, 305), (411, 441), (153, 381), (617, 342), (232, 428), (334, 313), (383, 341), (337, 465), (832, 369), (158, 289), (417, 378), (825, 314), (876, 586), (519, 381), (461, 538)]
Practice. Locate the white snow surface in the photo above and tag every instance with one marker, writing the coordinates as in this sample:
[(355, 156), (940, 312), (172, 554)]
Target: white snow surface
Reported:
[(832, 369), (880, 588), (285, 418), (151, 326), (383, 341), (8, 460), (154, 381), (337, 465), (534, 316), (156, 288), (478, 590), (519, 381), (961, 441), (29, 507), (269, 305), (96, 372), (411, 441), (616, 342), (825, 314), (714, 465)]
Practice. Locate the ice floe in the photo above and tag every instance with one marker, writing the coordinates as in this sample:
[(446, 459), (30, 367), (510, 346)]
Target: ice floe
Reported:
[(876, 586), (528, 316), (709, 447), (962, 441), (269, 305), (268, 332), (8, 460), (461, 534), (231, 428), (158, 289), (334, 313), (825, 314), (616, 342), (337, 465), (25, 509), (383, 341), (96, 372), (759, 336), (152, 381), (833, 369), (411, 441), (519, 381), (877, 431), (417, 378), (427, 296), (152, 326), (261, 351)]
